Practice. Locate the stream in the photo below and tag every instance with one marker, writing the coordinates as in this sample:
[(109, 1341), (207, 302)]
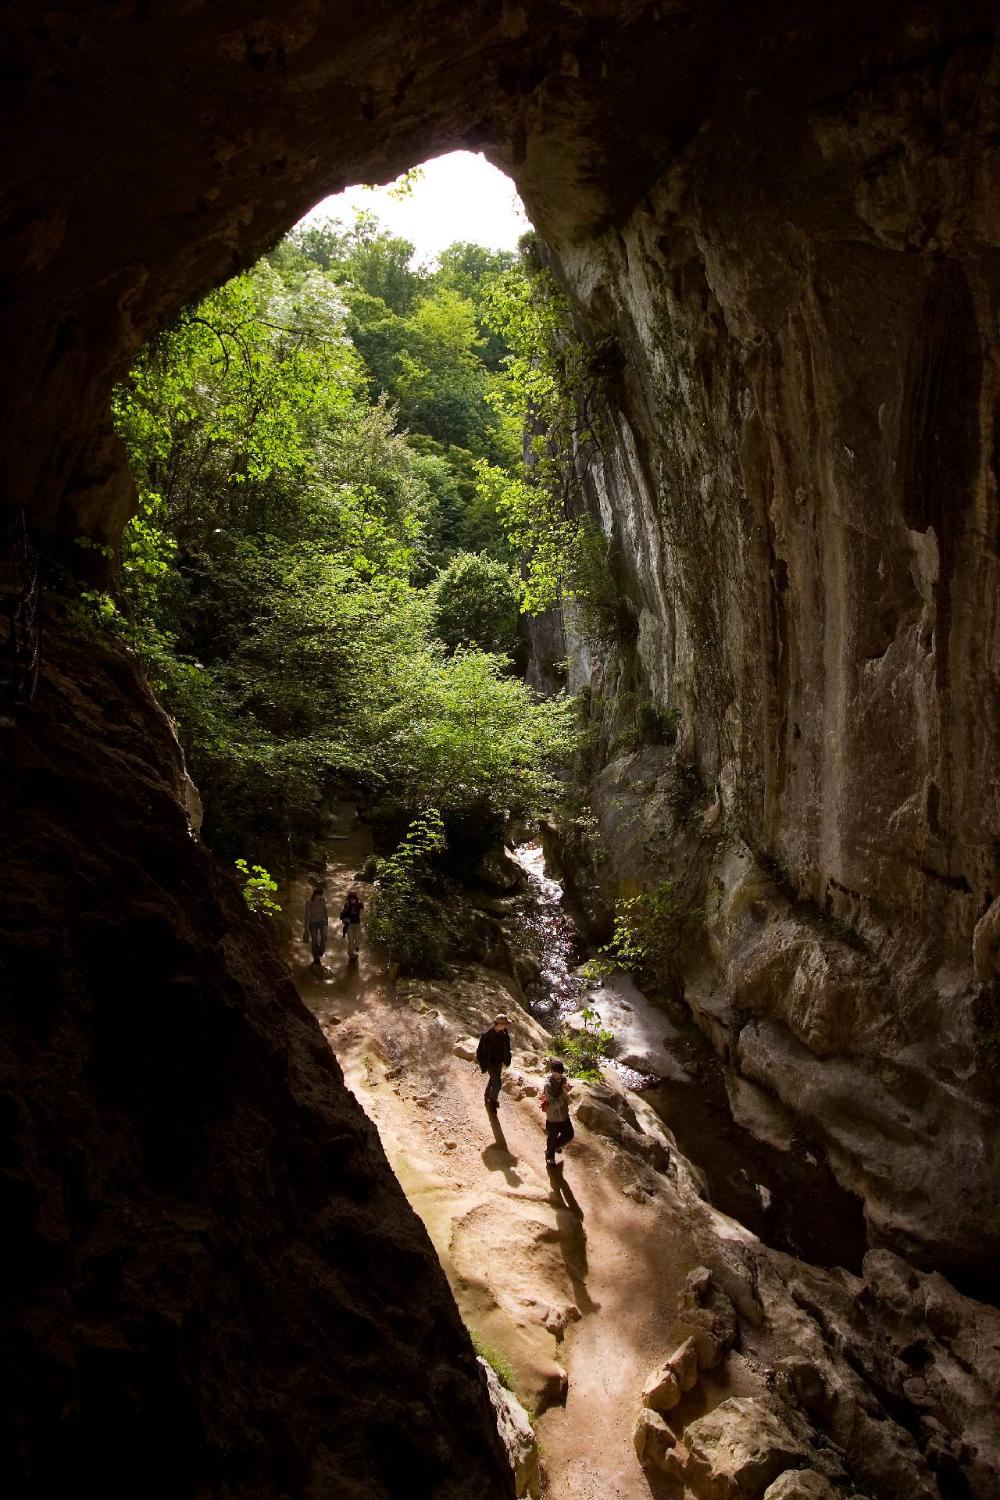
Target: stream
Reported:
[(789, 1198)]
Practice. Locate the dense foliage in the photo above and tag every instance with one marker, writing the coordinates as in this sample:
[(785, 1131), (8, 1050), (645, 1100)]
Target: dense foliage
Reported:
[(320, 576)]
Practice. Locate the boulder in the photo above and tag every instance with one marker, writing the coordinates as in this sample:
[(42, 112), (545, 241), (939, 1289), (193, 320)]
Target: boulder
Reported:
[(804, 1484), (705, 1314), (740, 1448), (514, 1426), (603, 1120), (653, 1439)]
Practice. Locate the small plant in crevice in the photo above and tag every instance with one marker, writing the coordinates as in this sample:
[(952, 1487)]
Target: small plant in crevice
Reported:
[(584, 1048), (258, 888), (685, 789), (498, 1363), (650, 931)]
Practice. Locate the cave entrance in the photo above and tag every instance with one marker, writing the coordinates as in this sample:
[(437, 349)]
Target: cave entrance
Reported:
[(327, 450)]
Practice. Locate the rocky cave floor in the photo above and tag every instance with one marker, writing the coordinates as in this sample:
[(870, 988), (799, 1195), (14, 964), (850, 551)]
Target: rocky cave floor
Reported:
[(659, 1346)]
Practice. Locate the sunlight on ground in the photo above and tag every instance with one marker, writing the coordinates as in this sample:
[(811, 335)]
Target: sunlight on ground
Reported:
[(457, 197)]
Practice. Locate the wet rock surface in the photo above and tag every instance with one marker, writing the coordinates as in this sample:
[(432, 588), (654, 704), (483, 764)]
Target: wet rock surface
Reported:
[(782, 1189)]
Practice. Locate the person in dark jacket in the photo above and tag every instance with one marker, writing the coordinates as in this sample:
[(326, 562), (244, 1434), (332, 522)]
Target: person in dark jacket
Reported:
[(493, 1055), (351, 918)]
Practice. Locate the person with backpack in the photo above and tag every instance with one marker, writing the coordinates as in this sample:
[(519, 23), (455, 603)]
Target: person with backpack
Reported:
[(555, 1102), (316, 920), (351, 917), (493, 1055)]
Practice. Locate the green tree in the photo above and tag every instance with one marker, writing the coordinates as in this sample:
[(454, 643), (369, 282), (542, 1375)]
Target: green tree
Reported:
[(477, 603), (279, 579)]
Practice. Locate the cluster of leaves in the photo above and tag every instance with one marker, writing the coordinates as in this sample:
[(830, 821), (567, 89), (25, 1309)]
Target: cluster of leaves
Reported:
[(649, 932), (323, 599), (258, 888), (583, 1048), (553, 392)]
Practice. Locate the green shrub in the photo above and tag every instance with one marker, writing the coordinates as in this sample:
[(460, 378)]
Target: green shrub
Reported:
[(583, 1050), (403, 917), (650, 929), (652, 725), (657, 725)]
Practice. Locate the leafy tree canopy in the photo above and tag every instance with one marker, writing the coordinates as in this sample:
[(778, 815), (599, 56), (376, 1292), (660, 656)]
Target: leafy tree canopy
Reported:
[(320, 574)]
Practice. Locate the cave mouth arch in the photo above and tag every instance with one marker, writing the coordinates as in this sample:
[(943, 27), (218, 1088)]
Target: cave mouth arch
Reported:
[(756, 199), (154, 156)]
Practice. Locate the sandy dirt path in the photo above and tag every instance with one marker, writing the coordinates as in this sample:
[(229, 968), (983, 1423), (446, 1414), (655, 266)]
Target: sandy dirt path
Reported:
[(571, 1276)]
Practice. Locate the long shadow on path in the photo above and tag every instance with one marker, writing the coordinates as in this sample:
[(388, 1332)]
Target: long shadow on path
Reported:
[(499, 1157), (572, 1237)]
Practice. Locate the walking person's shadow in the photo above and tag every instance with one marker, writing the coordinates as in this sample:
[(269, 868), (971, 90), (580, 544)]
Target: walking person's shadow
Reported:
[(499, 1157), (572, 1237)]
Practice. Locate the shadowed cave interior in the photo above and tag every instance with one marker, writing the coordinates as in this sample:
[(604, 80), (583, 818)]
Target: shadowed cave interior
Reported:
[(785, 223)]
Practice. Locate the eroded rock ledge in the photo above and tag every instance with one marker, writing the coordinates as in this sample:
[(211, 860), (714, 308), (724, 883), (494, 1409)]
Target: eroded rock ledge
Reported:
[(214, 1284)]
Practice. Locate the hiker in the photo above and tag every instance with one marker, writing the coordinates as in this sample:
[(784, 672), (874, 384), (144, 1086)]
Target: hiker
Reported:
[(351, 918), (555, 1102), (493, 1055), (314, 931)]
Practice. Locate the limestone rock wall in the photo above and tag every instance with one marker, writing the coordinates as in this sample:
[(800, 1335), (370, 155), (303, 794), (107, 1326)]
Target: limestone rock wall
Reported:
[(802, 492)]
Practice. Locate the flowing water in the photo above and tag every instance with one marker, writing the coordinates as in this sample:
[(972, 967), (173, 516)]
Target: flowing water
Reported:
[(787, 1195)]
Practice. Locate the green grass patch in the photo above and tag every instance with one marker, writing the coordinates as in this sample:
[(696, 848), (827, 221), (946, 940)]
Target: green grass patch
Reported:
[(501, 1367)]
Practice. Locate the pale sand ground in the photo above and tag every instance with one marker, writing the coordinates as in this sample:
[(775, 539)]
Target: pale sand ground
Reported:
[(521, 1249)]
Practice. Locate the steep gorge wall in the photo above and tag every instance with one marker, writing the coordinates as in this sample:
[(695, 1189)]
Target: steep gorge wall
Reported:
[(213, 1283), (802, 492)]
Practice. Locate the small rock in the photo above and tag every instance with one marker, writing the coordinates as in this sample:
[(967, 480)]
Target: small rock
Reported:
[(804, 1484), (553, 1392), (662, 1390), (684, 1364), (652, 1439), (465, 1048), (698, 1282), (804, 1380), (450, 1145)]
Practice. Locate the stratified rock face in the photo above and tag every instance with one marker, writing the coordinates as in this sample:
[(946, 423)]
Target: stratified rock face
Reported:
[(213, 1283), (802, 489)]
